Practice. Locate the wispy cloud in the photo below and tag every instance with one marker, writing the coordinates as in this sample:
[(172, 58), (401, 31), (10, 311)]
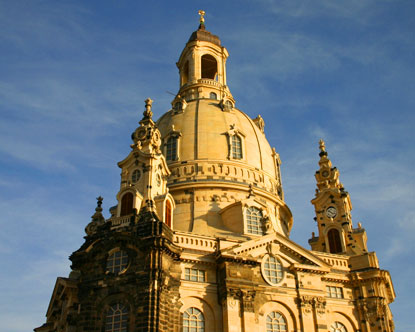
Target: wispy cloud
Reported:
[(73, 77)]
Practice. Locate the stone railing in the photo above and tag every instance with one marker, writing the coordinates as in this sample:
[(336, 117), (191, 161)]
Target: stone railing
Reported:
[(194, 242), (209, 82), (338, 262), (118, 222)]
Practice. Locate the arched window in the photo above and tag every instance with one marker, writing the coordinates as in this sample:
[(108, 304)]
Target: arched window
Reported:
[(193, 320), (116, 319), (127, 204), (185, 73), (209, 67), (334, 241), (168, 213), (213, 96), (337, 327), (276, 322), (253, 221), (178, 106), (228, 104), (171, 148), (117, 262), (236, 147)]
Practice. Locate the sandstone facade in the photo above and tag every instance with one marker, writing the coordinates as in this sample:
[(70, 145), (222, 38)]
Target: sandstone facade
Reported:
[(199, 240)]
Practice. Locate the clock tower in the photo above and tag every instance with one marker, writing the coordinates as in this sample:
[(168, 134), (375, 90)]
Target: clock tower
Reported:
[(332, 206)]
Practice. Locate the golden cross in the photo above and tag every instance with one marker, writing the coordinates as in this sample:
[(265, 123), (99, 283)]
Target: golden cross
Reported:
[(322, 145), (202, 16)]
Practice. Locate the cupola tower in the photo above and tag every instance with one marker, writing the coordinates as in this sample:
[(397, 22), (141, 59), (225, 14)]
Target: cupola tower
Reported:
[(202, 66), (333, 207)]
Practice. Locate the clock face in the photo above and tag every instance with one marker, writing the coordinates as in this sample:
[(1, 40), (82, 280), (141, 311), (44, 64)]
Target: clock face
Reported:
[(325, 174), (141, 134), (331, 212)]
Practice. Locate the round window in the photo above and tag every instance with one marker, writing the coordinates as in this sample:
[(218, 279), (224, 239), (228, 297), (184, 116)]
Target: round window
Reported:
[(272, 270), (136, 176), (117, 262)]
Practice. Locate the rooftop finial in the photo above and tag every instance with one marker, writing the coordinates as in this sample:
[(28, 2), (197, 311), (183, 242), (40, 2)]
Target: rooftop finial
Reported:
[(148, 113), (202, 19), (99, 201), (322, 145)]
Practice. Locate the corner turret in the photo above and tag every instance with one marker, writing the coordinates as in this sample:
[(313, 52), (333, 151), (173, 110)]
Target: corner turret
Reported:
[(332, 205), (144, 174)]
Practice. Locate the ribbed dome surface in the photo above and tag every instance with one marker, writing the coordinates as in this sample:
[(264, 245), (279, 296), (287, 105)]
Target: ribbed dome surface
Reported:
[(204, 127)]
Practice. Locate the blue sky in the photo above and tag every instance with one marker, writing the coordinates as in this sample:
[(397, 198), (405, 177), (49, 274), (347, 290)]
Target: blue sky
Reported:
[(74, 75)]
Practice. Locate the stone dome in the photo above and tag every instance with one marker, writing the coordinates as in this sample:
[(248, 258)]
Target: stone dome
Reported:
[(204, 130), (222, 166)]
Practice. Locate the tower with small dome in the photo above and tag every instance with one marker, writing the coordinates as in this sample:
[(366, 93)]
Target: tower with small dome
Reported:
[(199, 238)]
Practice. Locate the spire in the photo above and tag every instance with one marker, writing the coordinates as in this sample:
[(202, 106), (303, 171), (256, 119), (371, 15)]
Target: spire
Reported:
[(147, 137), (327, 176), (147, 114), (97, 218)]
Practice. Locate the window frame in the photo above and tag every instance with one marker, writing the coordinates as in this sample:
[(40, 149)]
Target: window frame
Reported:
[(230, 134), (123, 266), (173, 147), (334, 292), (248, 217), (337, 327), (270, 321), (198, 274), (173, 134), (187, 326), (264, 270), (124, 318), (235, 141), (134, 175)]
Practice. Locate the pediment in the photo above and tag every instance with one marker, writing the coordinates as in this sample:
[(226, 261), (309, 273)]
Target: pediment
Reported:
[(279, 245), (62, 287)]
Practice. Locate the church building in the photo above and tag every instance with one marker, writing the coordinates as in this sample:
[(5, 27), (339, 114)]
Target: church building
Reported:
[(199, 240)]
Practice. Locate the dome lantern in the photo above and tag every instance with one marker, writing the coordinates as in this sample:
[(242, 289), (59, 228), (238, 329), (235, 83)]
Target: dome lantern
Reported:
[(202, 66)]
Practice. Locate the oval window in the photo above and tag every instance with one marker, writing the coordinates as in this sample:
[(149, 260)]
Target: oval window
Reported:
[(117, 262), (136, 176), (272, 270)]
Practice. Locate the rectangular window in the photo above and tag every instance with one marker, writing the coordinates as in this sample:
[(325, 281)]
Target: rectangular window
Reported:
[(336, 292), (171, 148), (194, 274)]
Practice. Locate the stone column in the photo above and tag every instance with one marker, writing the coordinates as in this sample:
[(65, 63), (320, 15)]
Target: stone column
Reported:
[(231, 304), (319, 312), (247, 310), (307, 316)]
